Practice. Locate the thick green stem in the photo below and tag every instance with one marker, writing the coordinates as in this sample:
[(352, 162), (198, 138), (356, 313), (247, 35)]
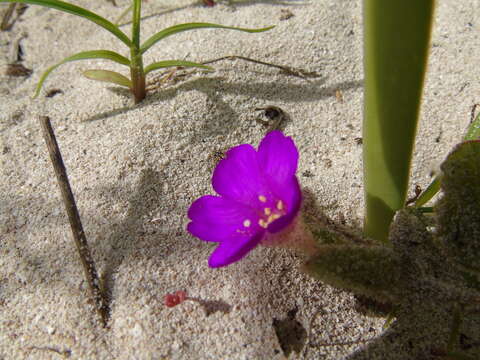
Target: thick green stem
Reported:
[(396, 41), (138, 77), (136, 68), (136, 14)]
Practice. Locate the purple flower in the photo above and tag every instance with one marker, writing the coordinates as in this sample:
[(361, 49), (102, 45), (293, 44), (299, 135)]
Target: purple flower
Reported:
[(259, 194)]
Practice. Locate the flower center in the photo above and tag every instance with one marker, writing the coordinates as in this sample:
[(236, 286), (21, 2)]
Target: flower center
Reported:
[(272, 211), (270, 214)]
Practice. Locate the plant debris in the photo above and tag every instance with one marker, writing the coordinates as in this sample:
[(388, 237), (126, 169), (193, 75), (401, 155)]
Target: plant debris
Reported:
[(275, 117), (285, 14), (52, 92), (17, 70)]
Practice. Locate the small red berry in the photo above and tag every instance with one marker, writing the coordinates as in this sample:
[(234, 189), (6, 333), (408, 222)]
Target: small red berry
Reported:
[(182, 295), (171, 300), (178, 297)]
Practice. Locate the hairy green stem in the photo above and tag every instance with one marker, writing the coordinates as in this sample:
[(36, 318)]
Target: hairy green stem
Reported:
[(138, 77)]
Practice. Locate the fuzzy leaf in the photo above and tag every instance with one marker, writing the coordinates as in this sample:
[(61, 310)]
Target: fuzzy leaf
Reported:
[(84, 55), (368, 271), (325, 237), (456, 355), (473, 133), (173, 63), (459, 209), (108, 76), (79, 11), (191, 26)]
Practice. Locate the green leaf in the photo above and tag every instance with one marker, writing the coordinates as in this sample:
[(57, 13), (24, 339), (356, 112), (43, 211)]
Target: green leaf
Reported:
[(191, 26), (137, 10), (473, 133), (84, 55), (396, 43), (370, 271), (173, 63), (456, 355), (459, 209), (108, 76), (428, 193), (76, 10), (123, 14)]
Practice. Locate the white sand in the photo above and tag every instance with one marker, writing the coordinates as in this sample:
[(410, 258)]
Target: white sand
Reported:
[(129, 165)]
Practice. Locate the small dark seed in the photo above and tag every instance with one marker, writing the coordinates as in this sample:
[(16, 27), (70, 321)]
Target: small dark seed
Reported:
[(53, 92)]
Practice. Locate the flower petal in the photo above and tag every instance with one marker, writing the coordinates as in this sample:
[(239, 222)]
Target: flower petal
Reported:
[(238, 176), (291, 195), (233, 250), (219, 219), (278, 157)]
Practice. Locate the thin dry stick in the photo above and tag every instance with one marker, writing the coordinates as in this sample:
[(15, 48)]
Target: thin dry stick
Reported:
[(5, 25), (287, 69), (170, 73), (74, 218), (472, 113)]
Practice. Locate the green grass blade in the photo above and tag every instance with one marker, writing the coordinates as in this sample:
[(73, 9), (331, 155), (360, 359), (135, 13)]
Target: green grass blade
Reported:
[(79, 11), (397, 36), (173, 63), (136, 14), (191, 26), (123, 14), (473, 133), (428, 193), (84, 55), (108, 76)]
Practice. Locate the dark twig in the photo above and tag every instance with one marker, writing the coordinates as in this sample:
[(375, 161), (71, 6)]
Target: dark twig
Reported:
[(472, 113), (6, 25), (74, 218), (288, 70), (172, 73)]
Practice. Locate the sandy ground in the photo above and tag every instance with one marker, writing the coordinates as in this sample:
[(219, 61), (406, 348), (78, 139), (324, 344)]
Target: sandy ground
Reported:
[(136, 168)]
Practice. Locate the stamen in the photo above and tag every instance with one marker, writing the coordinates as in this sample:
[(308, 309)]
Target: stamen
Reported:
[(247, 223), (267, 211), (280, 205), (262, 198), (273, 217), (262, 223)]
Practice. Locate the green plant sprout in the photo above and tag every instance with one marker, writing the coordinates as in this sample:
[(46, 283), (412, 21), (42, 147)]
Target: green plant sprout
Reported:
[(136, 82), (396, 261), (417, 258), (396, 42)]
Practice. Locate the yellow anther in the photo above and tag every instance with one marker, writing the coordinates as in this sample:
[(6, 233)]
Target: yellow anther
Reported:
[(247, 223), (262, 223), (280, 205), (273, 217), (267, 211), (262, 198)]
